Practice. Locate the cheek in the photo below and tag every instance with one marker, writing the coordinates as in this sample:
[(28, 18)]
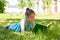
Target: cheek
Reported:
[(29, 18), (32, 19)]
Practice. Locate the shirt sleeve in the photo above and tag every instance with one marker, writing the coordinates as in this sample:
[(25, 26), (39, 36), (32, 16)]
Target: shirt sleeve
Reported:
[(22, 24)]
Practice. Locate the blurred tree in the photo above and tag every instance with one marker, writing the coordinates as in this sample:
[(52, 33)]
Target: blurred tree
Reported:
[(21, 3), (55, 8), (46, 5), (2, 4), (26, 3), (30, 3)]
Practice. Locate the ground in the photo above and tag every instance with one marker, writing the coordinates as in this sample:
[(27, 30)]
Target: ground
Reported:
[(53, 32)]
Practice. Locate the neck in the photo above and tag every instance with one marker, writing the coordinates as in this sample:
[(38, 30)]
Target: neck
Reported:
[(28, 22)]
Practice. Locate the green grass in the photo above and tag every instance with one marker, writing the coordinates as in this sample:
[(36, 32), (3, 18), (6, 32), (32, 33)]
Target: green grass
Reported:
[(6, 18), (53, 32), (38, 16)]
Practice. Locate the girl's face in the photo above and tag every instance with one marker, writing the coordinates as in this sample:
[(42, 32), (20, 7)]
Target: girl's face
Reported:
[(31, 17)]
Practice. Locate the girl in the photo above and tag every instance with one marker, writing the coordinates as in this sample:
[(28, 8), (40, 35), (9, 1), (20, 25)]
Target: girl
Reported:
[(27, 23)]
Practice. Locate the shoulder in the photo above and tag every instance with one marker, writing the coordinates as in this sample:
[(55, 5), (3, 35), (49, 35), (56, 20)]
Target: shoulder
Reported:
[(23, 19), (22, 22)]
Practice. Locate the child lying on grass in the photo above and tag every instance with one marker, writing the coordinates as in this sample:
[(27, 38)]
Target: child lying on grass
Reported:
[(27, 23)]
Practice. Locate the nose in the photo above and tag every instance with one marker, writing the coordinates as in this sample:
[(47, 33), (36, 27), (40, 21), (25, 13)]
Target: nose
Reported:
[(32, 19)]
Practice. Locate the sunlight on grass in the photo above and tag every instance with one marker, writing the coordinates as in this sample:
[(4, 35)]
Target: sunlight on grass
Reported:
[(48, 16), (38, 16), (7, 16)]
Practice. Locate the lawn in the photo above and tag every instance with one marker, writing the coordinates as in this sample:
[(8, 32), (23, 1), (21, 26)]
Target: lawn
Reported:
[(53, 32), (38, 16)]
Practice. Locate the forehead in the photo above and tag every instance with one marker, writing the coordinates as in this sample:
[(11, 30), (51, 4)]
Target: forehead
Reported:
[(31, 15)]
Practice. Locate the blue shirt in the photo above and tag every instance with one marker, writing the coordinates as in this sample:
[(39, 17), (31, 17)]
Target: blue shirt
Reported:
[(28, 27), (17, 26)]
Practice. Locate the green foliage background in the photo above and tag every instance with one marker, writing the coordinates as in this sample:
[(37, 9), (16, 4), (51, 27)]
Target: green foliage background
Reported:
[(2, 5)]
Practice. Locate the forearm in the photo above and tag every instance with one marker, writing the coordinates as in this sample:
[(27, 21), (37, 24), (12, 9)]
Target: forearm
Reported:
[(22, 31)]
